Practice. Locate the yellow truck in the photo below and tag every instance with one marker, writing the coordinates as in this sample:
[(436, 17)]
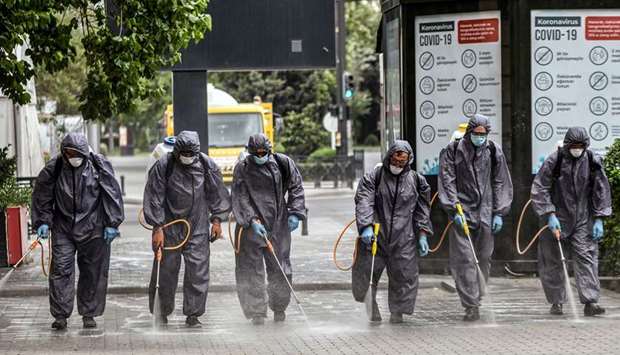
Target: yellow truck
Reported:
[(230, 126)]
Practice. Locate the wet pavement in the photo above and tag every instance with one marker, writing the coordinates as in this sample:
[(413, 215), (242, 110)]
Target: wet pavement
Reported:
[(514, 320)]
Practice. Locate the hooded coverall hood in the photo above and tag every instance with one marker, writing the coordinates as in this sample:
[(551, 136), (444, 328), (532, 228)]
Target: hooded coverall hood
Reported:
[(187, 141), (576, 135), (398, 146), (477, 121), (76, 142), (258, 141)]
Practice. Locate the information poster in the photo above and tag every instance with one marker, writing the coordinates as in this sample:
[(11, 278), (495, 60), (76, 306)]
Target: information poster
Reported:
[(458, 74), (575, 78)]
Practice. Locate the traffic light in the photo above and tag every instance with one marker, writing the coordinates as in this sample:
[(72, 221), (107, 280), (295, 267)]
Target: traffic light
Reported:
[(348, 86)]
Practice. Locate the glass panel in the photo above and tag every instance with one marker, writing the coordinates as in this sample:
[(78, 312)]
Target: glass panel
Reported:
[(392, 80), (233, 129)]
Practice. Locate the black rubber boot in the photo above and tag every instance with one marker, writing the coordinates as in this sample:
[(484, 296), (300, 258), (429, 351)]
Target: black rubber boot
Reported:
[(556, 309), (89, 322), (259, 320), (396, 318), (279, 316), (192, 321), (376, 315), (59, 324), (471, 314), (592, 309)]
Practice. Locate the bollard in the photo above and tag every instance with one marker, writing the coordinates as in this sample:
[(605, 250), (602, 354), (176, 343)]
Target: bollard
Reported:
[(123, 185), (304, 224)]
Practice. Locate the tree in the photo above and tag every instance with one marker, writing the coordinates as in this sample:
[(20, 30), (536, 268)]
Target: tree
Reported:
[(143, 121), (610, 247), (65, 85), (302, 135), (362, 19), (119, 64)]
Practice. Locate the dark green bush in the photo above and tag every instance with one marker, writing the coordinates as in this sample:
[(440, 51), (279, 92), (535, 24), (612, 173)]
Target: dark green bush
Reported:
[(610, 247), (322, 154)]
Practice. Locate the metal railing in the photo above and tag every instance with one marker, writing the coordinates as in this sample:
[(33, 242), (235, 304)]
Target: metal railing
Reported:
[(342, 171)]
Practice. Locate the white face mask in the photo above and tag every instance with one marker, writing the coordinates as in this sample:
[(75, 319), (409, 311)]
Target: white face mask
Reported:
[(576, 152), (75, 162), (396, 170), (186, 160)]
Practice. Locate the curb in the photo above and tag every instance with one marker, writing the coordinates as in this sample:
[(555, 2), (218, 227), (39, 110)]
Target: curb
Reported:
[(135, 289)]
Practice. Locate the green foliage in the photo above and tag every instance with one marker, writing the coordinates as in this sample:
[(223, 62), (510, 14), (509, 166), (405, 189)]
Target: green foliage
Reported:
[(321, 154), (610, 247), (66, 85), (362, 21), (289, 91), (279, 148), (119, 64), (10, 193), (302, 134), (143, 121)]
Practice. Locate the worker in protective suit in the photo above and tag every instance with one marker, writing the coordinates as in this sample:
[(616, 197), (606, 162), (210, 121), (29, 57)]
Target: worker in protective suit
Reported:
[(397, 198), (268, 202), (474, 173), (184, 184), (571, 192), (78, 199)]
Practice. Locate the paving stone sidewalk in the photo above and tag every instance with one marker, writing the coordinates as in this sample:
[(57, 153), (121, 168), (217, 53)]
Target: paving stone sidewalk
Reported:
[(515, 321)]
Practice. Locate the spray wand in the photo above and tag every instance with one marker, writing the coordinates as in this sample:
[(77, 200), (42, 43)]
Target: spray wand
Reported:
[(459, 211), (369, 300), (288, 282), (31, 248), (158, 255)]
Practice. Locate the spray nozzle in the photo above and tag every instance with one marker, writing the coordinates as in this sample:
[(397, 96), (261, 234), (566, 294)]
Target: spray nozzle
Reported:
[(459, 210), (374, 240)]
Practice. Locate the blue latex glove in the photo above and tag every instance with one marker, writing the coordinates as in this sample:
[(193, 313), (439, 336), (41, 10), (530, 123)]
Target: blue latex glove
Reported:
[(109, 234), (598, 230), (553, 223), (293, 222), (498, 223), (367, 235), (458, 220), (43, 231), (259, 229), (423, 244)]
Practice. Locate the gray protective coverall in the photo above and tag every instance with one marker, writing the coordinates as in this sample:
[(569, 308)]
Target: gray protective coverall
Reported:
[(195, 192), (260, 192), (578, 194), (482, 184), (401, 204), (77, 204)]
